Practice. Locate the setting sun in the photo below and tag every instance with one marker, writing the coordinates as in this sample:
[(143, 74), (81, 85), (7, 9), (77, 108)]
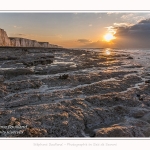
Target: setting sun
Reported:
[(108, 37)]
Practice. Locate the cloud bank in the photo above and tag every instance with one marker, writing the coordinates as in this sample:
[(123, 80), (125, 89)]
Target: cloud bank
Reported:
[(136, 36), (84, 41), (127, 36)]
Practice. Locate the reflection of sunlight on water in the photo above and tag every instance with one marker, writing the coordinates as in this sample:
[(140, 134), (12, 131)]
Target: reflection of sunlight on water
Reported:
[(107, 52)]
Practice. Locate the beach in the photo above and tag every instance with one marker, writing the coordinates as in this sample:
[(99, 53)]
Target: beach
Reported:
[(58, 92)]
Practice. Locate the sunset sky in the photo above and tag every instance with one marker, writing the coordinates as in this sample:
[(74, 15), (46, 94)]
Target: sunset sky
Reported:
[(76, 29)]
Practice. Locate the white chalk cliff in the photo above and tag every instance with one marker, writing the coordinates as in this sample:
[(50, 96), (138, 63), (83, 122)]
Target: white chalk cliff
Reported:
[(4, 40), (21, 42)]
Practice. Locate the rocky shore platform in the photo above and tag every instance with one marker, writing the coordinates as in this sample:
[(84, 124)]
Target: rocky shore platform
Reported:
[(56, 92)]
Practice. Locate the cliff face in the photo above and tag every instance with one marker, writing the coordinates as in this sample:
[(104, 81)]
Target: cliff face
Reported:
[(21, 42), (44, 44), (4, 40)]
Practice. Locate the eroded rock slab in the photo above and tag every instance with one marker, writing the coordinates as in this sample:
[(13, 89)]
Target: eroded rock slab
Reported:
[(72, 93)]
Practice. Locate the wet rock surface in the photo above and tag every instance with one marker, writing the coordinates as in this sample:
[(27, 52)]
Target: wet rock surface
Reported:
[(72, 93)]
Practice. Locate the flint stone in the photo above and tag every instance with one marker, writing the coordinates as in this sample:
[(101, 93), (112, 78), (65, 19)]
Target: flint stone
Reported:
[(1, 78)]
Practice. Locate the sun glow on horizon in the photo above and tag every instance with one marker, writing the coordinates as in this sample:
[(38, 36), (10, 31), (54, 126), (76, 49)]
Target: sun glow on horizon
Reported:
[(108, 37)]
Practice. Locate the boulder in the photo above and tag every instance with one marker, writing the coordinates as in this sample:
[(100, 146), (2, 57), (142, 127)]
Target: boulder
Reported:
[(16, 72), (114, 131), (1, 78), (129, 57), (64, 76), (147, 81), (34, 132)]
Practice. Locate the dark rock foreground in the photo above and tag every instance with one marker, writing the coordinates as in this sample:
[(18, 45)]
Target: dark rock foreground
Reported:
[(72, 93)]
